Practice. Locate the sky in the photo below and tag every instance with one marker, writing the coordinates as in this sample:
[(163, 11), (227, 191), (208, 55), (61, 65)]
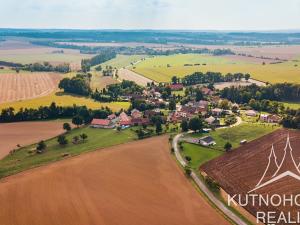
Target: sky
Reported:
[(152, 14)]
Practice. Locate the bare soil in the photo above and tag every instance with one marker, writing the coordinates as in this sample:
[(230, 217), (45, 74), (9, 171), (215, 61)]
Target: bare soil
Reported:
[(239, 171), (133, 184), (25, 133)]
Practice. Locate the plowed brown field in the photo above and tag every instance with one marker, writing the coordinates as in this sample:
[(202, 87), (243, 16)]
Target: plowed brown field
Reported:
[(133, 184), (14, 87), (239, 171), (25, 133)]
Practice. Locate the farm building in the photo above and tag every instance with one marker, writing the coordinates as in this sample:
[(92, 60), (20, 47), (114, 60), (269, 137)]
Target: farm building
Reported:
[(101, 123), (125, 120), (207, 141)]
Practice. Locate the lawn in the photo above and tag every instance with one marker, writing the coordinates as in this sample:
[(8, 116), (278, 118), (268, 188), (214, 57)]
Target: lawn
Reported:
[(156, 68), (26, 158), (292, 105), (234, 135), (62, 99)]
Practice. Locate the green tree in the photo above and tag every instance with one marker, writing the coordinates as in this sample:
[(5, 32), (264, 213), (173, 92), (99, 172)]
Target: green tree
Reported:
[(172, 104), (199, 95), (174, 80), (184, 125), (83, 137), (67, 127), (75, 139), (158, 127), (62, 140), (41, 146), (228, 146), (196, 124), (188, 170), (77, 120), (247, 76)]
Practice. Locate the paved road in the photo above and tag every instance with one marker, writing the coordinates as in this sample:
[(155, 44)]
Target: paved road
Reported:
[(239, 121), (203, 187)]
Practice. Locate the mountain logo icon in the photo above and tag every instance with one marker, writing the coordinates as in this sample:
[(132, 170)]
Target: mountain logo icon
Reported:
[(280, 172)]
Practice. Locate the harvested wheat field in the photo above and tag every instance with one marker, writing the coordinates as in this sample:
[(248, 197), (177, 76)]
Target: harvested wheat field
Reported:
[(15, 87), (138, 183), (125, 74), (25, 133), (239, 171)]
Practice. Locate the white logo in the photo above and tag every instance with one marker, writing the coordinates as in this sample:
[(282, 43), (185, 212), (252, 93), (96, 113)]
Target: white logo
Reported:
[(279, 173)]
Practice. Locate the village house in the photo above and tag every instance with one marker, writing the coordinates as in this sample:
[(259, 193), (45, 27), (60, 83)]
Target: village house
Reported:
[(251, 113), (212, 121), (217, 112), (136, 114), (176, 87), (124, 120), (113, 118), (207, 91), (102, 123), (140, 121), (207, 141), (270, 118)]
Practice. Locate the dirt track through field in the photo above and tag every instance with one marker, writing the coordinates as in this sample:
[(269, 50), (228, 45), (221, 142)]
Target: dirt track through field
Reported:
[(25, 133), (133, 184), (125, 74), (15, 87)]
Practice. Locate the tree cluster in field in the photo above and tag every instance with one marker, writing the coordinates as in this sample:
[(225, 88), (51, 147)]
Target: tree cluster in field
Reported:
[(114, 91), (46, 67), (10, 64), (54, 112), (292, 119), (80, 84), (276, 92), (210, 77), (102, 57)]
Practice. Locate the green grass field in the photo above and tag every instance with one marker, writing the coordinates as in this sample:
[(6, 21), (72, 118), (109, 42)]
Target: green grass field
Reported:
[(200, 154), (26, 158), (122, 61), (64, 100), (156, 68), (292, 105)]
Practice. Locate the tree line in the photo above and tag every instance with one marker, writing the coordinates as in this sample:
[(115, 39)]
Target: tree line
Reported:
[(54, 112), (210, 77), (102, 57), (275, 92)]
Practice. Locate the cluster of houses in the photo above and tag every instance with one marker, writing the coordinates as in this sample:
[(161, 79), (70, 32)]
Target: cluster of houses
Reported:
[(136, 118), (266, 118)]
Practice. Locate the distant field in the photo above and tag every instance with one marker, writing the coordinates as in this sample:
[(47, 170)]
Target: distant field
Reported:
[(25, 85), (24, 52), (156, 68), (122, 61), (64, 100)]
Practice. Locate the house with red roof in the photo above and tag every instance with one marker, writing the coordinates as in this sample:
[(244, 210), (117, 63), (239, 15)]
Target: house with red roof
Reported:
[(102, 123), (176, 87)]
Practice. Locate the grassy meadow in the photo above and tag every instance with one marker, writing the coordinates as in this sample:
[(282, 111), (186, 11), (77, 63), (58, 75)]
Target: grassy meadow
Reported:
[(234, 135), (122, 61), (26, 158), (156, 68)]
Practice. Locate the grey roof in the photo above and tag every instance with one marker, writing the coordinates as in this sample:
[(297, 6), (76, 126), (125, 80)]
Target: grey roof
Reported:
[(207, 139)]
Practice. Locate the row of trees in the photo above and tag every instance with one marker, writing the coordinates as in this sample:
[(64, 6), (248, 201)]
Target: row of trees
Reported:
[(46, 67), (104, 56), (53, 112), (276, 92), (210, 77)]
